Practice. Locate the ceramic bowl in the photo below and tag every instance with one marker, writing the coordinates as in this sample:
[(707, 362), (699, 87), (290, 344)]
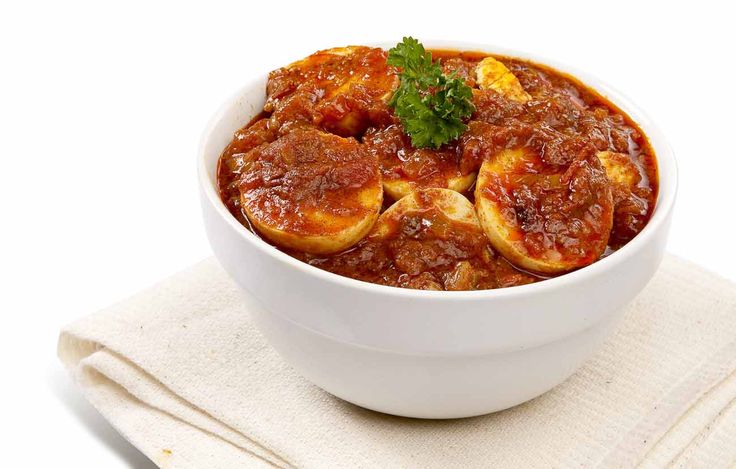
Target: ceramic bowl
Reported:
[(430, 354)]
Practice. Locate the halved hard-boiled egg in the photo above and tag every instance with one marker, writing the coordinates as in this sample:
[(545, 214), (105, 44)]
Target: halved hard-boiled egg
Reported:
[(453, 206), (406, 169), (311, 191), (542, 218), (490, 73), (343, 90), (619, 168)]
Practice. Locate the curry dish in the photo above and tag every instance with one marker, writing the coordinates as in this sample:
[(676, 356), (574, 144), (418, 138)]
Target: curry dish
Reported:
[(454, 171)]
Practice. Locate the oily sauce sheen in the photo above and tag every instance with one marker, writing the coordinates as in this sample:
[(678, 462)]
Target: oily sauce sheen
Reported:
[(548, 177)]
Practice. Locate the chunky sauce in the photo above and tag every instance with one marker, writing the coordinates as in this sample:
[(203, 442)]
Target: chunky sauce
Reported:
[(585, 186), (424, 249)]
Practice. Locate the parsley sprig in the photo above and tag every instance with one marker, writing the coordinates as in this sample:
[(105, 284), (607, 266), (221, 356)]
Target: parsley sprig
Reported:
[(432, 106)]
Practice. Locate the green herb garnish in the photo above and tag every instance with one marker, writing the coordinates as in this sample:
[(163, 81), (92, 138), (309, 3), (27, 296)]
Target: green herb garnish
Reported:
[(430, 104)]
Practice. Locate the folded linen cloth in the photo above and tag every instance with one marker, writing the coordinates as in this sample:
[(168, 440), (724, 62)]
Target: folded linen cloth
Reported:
[(183, 374)]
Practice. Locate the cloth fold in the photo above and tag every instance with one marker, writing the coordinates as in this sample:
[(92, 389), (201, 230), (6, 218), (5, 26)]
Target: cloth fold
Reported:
[(183, 374)]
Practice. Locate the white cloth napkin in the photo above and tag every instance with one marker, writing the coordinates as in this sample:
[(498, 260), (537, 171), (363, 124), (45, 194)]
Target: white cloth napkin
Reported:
[(183, 374)]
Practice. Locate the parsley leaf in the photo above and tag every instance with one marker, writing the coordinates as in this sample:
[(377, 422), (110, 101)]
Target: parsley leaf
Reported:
[(430, 104)]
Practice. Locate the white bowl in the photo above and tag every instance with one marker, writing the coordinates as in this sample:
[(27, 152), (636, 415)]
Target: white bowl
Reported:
[(430, 354)]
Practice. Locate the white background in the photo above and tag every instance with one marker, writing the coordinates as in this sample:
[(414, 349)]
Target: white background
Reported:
[(101, 107)]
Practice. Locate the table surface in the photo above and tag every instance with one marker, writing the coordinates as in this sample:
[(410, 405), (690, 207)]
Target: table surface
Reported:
[(103, 105)]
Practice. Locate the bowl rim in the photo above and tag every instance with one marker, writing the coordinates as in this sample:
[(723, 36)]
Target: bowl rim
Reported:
[(666, 168)]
